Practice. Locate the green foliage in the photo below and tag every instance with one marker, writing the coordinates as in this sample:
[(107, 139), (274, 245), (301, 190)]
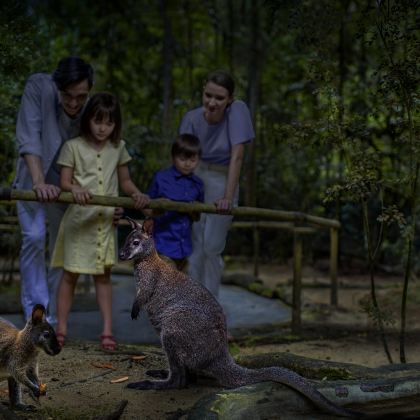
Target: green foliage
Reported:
[(17, 50), (335, 104)]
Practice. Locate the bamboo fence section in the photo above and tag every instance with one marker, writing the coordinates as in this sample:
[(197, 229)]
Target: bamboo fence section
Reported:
[(268, 219)]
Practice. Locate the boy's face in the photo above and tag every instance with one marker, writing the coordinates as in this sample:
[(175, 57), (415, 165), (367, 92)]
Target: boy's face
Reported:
[(185, 165)]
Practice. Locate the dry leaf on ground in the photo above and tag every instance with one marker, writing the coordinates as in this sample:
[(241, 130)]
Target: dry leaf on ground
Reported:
[(119, 380)]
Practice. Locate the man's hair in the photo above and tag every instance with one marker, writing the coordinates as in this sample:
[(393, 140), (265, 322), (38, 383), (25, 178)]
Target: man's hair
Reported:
[(72, 70), (102, 106), (186, 145)]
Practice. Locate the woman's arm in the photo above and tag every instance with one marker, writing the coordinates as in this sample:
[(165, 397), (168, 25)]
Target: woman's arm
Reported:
[(224, 205), (129, 188)]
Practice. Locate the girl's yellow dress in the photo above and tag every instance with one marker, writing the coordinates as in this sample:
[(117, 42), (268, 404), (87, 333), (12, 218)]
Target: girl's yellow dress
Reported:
[(86, 241)]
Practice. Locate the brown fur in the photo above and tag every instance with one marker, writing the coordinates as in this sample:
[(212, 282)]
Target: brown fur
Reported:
[(19, 354), (192, 327)]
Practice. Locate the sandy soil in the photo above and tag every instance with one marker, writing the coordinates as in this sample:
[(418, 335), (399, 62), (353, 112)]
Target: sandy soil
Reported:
[(80, 379)]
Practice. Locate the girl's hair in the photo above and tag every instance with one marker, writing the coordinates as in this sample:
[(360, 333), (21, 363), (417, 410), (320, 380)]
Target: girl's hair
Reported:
[(72, 70), (222, 78), (102, 106), (186, 145)]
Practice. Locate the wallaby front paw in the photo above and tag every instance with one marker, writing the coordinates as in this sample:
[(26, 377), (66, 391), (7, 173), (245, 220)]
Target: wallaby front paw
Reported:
[(35, 393), (142, 385), (135, 310)]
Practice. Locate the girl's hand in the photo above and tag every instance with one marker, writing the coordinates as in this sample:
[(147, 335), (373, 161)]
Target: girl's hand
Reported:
[(140, 200), (223, 205), (81, 195)]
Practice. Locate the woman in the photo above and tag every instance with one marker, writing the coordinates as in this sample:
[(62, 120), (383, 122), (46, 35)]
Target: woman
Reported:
[(223, 126)]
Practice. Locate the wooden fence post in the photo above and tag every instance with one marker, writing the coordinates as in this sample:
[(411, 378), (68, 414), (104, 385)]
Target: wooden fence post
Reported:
[(256, 242), (334, 265), (297, 282)]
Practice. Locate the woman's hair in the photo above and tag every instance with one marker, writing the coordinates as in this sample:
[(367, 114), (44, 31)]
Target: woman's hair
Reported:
[(72, 70), (186, 145), (102, 106), (222, 78)]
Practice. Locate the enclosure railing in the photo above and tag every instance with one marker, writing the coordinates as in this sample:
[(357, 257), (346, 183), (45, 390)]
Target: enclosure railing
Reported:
[(294, 218)]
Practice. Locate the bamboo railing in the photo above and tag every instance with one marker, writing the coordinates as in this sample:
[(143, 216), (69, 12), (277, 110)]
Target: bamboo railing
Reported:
[(267, 218)]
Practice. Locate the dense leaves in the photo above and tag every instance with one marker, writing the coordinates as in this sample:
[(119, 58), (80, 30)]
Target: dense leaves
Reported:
[(332, 86)]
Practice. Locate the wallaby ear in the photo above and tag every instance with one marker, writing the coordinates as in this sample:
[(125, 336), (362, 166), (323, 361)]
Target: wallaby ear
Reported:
[(38, 314), (134, 224)]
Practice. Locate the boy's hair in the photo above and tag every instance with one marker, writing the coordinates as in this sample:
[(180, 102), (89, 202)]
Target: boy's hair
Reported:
[(186, 145), (72, 70), (102, 106)]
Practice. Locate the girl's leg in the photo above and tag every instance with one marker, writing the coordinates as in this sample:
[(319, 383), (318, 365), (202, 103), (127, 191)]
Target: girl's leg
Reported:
[(54, 213), (104, 298), (65, 299)]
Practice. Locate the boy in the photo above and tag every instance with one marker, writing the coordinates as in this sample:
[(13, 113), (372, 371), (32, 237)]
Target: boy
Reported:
[(172, 230)]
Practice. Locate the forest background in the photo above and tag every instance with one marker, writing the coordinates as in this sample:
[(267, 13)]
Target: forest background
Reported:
[(332, 86)]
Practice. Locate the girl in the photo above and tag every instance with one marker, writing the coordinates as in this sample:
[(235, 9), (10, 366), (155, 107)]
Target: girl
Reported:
[(92, 164)]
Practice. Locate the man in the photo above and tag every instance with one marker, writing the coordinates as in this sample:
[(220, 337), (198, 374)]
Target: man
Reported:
[(49, 114)]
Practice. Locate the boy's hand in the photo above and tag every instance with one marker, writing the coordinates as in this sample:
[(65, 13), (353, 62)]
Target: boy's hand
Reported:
[(140, 200), (81, 195), (194, 216), (118, 213)]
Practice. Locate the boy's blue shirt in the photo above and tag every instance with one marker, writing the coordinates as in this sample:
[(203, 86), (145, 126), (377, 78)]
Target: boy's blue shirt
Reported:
[(172, 230)]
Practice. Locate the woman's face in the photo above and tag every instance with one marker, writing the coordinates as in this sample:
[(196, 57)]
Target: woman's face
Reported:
[(215, 100)]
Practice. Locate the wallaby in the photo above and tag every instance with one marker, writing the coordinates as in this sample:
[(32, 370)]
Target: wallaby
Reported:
[(19, 354), (192, 327)]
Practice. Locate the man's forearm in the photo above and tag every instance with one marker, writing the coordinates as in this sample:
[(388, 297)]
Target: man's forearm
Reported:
[(35, 168)]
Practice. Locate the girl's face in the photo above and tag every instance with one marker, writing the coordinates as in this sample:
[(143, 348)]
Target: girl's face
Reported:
[(215, 100), (185, 165), (101, 129)]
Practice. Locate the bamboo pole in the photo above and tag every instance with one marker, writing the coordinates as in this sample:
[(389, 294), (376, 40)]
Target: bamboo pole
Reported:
[(9, 194)]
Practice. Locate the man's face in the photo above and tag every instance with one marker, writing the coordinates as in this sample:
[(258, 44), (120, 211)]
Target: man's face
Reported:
[(74, 96)]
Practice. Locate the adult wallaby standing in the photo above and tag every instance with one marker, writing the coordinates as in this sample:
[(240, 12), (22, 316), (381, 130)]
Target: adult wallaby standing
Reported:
[(192, 327), (19, 354)]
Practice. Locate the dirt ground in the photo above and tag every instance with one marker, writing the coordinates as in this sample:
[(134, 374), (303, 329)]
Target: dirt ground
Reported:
[(80, 380)]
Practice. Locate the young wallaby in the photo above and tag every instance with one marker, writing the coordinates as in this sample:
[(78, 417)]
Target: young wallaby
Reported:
[(192, 327), (19, 354)]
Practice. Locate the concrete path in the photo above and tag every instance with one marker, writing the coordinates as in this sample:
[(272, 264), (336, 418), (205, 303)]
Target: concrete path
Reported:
[(242, 309)]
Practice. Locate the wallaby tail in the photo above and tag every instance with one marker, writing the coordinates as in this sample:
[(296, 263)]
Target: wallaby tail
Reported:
[(234, 375)]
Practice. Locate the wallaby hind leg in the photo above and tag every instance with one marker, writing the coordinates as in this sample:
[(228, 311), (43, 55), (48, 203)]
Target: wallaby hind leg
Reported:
[(176, 378), (191, 376)]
